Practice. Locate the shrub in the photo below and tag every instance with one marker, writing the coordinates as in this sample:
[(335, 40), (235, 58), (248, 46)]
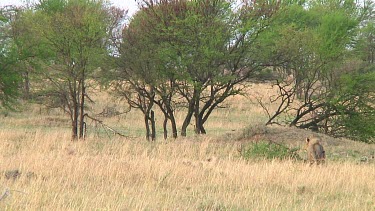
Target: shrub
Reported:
[(269, 150)]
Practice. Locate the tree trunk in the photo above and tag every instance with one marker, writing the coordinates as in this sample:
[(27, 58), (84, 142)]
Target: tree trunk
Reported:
[(75, 117), (196, 116), (82, 110), (74, 130), (207, 109), (187, 119), (147, 125), (200, 127), (174, 126), (153, 127), (165, 127), (75, 125), (170, 116)]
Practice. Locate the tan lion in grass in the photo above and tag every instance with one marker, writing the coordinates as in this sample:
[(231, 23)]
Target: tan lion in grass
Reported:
[(315, 151)]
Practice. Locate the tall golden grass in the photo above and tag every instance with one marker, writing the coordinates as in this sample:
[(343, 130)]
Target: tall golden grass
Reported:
[(194, 173), (203, 174)]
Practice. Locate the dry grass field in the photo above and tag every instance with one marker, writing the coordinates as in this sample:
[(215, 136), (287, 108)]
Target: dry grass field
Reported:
[(41, 169)]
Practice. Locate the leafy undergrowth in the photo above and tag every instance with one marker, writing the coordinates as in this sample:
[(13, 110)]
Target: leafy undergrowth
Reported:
[(270, 151)]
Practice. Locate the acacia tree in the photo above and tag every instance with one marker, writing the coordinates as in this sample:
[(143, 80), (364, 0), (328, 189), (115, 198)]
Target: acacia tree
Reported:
[(224, 54), (142, 69), (204, 35), (312, 54), (193, 54), (73, 35)]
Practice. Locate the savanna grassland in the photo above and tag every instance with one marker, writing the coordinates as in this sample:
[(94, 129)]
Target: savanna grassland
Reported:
[(41, 169)]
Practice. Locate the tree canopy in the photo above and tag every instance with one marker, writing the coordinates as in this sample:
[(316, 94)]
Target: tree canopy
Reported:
[(68, 40), (315, 48), (191, 54)]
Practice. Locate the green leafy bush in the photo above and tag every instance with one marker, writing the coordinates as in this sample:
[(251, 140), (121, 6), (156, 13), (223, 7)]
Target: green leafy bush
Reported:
[(269, 150)]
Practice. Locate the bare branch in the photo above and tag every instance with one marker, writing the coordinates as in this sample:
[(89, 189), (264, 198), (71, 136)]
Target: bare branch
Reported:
[(106, 126)]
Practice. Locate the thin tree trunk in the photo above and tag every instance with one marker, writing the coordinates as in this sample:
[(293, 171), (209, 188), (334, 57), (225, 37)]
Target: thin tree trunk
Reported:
[(174, 126), (170, 116), (75, 116), (153, 127), (165, 126), (75, 123), (82, 110), (187, 119), (147, 125), (200, 127), (208, 108), (74, 130), (196, 116)]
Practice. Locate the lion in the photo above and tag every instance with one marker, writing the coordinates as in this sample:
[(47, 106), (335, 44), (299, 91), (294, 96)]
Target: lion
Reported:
[(315, 151)]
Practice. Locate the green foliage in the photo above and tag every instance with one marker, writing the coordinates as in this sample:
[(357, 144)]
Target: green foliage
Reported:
[(61, 44), (269, 150), (365, 45), (355, 100), (51, 6), (181, 48), (66, 37), (3, 19), (316, 44), (360, 127), (9, 75), (188, 44), (319, 32), (335, 31), (9, 79)]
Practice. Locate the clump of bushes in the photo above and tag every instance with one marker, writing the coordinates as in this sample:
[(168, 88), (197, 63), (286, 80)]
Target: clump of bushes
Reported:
[(269, 150)]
